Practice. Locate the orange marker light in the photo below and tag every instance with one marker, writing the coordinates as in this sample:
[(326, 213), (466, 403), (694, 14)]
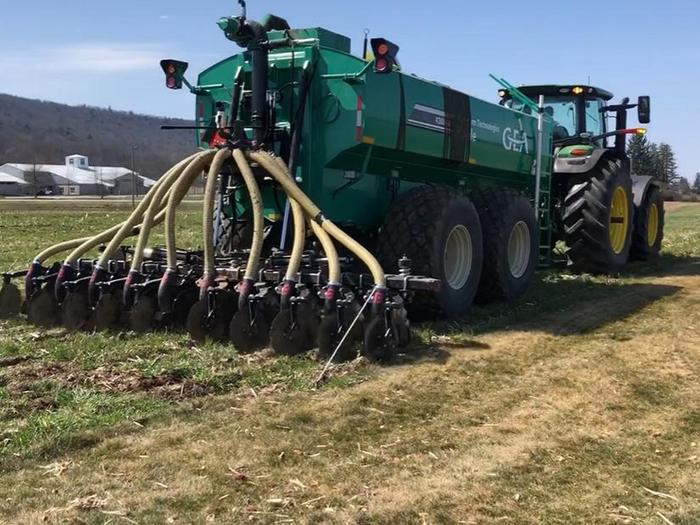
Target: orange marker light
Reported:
[(382, 49)]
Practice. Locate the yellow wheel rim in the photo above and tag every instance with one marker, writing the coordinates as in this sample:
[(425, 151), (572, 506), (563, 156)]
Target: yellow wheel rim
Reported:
[(652, 224), (619, 220)]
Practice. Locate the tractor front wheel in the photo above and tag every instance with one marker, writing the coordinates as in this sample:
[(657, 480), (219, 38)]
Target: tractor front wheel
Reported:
[(439, 231), (597, 217)]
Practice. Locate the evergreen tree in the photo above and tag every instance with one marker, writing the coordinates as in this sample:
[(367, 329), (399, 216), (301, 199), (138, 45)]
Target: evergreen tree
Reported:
[(641, 157), (667, 166), (696, 184), (654, 161)]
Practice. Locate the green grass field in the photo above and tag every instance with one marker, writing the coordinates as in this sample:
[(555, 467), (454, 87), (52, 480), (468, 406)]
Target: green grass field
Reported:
[(579, 404)]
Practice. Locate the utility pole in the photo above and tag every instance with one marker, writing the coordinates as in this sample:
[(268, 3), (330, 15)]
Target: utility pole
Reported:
[(36, 189), (133, 177)]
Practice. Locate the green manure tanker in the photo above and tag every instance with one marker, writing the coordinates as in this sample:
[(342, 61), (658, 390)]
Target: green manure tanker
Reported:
[(473, 193)]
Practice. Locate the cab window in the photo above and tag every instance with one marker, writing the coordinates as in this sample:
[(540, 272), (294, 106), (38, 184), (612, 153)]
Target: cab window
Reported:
[(595, 122)]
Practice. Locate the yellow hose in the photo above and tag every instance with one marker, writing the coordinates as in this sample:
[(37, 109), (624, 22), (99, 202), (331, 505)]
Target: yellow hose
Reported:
[(149, 219), (58, 248), (284, 179), (91, 243), (299, 234), (329, 250), (84, 245), (135, 218), (177, 193), (208, 214), (251, 271)]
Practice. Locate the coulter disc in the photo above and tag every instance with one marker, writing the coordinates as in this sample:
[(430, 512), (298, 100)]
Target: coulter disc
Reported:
[(182, 305), (10, 301), (197, 321), (42, 309), (248, 335), (202, 326), (107, 311), (143, 314), (75, 310), (330, 335), (287, 337), (377, 345)]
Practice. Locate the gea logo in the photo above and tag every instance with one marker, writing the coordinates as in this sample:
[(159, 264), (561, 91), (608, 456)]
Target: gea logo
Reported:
[(514, 140)]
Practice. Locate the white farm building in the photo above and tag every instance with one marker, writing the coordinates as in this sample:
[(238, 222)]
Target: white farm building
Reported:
[(75, 177)]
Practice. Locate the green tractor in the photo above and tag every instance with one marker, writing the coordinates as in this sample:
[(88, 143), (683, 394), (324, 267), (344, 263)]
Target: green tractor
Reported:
[(605, 215)]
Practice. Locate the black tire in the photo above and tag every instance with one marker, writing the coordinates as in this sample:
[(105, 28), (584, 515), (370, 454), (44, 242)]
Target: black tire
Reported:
[(587, 219), (645, 248), (233, 234), (418, 225), (506, 217)]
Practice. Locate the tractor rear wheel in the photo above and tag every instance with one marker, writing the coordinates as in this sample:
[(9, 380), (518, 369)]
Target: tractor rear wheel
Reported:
[(439, 231), (233, 234), (648, 226), (597, 217), (510, 245)]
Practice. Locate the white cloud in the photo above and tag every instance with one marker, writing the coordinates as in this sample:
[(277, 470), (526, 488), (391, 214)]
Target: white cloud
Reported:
[(164, 17), (106, 58), (97, 57)]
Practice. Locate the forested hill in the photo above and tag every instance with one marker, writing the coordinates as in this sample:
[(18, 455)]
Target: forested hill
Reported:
[(45, 132)]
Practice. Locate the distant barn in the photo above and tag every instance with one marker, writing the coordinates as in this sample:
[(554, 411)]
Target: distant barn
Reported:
[(75, 177)]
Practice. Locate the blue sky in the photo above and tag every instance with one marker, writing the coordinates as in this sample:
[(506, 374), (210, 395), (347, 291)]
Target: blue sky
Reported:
[(106, 53)]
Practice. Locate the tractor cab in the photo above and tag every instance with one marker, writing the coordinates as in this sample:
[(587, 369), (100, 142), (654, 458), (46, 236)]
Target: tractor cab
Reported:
[(574, 109), (580, 114)]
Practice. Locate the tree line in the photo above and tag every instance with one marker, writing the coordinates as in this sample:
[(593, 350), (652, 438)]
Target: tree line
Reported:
[(657, 160), (39, 132)]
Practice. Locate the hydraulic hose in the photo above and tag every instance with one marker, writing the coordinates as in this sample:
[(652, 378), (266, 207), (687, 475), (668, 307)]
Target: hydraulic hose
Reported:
[(127, 227), (150, 219), (208, 219), (330, 251), (299, 221), (331, 291), (256, 246), (178, 193), (284, 179), (156, 205), (168, 282), (299, 234), (137, 215), (58, 248), (89, 243)]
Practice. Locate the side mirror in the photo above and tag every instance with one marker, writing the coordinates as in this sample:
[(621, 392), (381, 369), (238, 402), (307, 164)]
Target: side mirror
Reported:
[(644, 110)]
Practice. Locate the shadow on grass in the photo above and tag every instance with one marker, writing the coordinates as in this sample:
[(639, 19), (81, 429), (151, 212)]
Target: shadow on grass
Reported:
[(559, 304), (667, 264)]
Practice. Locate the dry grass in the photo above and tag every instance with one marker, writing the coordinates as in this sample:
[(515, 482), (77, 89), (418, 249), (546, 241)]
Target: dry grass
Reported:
[(580, 405)]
